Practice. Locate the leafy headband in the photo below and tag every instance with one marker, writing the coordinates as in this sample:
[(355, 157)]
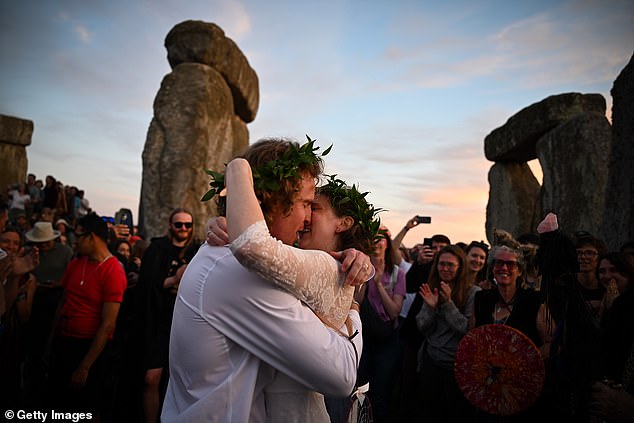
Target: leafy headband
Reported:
[(271, 174), (353, 201)]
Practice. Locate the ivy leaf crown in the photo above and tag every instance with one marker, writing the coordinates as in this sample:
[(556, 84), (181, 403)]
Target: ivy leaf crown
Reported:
[(268, 176), (350, 199)]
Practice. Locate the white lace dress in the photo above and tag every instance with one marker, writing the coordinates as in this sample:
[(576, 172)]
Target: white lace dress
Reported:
[(314, 277)]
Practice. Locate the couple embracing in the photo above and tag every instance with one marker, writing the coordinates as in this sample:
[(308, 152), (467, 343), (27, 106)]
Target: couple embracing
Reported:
[(262, 329)]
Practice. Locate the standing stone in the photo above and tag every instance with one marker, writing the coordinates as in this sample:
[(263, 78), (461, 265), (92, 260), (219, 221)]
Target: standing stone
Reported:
[(206, 43), (196, 124), (15, 136), (618, 223), (513, 199), (573, 158), (516, 139)]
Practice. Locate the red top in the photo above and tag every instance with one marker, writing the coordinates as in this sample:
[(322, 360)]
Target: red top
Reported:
[(87, 287)]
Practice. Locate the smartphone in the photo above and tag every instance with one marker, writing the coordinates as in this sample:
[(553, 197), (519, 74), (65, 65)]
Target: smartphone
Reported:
[(427, 242), (124, 217), (423, 219)]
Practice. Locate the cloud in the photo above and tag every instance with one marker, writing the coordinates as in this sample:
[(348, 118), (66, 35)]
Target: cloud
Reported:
[(82, 32)]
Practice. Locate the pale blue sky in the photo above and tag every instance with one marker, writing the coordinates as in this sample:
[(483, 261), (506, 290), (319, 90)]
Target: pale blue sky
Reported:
[(405, 90)]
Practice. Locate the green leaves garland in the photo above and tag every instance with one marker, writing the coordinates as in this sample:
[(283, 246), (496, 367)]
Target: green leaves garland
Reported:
[(268, 176), (355, 204)]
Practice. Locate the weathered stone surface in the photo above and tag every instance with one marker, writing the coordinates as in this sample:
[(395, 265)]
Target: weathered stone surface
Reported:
[(516, 139), (618, 223), (15, 135), (206, 43), (513, 199), (14, 130), (13, 164), (573, 158), (193, 129)]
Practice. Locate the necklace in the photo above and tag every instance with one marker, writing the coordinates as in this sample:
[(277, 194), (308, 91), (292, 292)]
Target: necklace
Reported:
[(83, 270), (503, 305)]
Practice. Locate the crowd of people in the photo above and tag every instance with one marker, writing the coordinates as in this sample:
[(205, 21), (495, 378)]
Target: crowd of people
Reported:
[(297, 297)]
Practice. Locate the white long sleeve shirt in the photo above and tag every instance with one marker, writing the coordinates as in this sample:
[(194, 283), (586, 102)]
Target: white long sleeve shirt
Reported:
[(227, 322)]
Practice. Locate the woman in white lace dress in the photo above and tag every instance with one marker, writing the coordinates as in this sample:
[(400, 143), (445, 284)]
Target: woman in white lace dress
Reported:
[(341, 219)]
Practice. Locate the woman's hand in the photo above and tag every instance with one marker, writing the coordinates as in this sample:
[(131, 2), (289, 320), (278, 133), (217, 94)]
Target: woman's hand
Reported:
[(430, 298), (356, 265), (445, 292), (217, 231), (549, 224), (611, 293)]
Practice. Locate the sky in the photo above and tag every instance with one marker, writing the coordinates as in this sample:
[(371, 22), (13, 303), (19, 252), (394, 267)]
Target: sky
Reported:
[(406, 91)]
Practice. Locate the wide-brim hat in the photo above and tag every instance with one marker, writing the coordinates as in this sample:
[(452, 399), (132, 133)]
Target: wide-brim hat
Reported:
[(42, 232)]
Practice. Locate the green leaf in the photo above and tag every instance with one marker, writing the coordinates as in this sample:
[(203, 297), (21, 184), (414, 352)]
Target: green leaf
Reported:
[(208, 195)]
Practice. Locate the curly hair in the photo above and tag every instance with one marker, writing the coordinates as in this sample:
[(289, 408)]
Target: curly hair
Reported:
[(267, 150)]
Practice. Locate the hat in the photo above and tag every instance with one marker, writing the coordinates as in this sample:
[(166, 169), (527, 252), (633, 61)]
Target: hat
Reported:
[(42, 232), (63, 221)]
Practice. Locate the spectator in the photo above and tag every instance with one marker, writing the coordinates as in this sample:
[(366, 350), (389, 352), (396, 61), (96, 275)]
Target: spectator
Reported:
[(162, 266), (477, 253), (588, 250), (84, 204), (509, 304), (380, 357), (618, 324), (20, 289), (50, 193), (19, 197), (34, 193), (444, 319), (61, 205), (84, 323), (66, 231), (614, 275), (54, 257), (575, 356), (21, 223), (47, 214), (411, 337)]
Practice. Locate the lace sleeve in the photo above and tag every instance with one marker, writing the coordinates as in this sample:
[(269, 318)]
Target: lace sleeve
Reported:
[(312, 276)]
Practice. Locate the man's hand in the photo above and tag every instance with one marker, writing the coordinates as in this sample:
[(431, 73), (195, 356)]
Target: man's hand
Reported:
[(121, 231), (356, 265), (79, 377), (217, 231), (425, 254)]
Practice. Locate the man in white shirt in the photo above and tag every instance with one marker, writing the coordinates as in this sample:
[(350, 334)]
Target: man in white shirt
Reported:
[(231, 328)]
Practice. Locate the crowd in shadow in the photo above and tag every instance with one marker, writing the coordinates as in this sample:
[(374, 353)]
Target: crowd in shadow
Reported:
[(566, 293)]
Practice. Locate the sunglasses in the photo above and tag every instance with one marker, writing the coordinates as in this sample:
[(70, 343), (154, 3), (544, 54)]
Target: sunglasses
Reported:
[(510, 264), (179, 225)]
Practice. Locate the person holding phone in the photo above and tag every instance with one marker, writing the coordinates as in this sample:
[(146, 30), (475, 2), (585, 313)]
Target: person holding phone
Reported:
[(411, 337)]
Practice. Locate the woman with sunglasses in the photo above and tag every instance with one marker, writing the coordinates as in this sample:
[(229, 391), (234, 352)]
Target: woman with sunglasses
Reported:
[(507, 303)]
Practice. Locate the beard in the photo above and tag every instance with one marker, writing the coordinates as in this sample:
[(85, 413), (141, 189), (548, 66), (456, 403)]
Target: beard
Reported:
[(181, 235)]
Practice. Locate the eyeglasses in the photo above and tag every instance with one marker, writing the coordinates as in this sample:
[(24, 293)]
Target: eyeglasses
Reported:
[(511, 264), (587, 253), (179, 225), (81, 234), (447, 264)]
